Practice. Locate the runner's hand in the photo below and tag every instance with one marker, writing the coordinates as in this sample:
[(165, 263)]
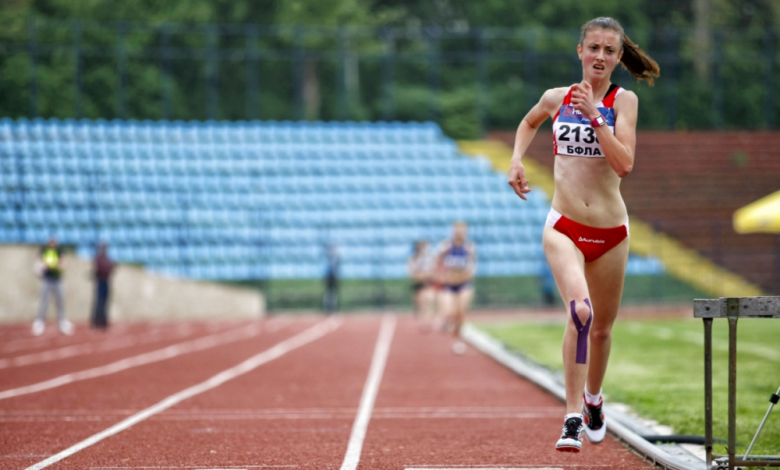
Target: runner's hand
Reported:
[(582, 99), (517, 179)]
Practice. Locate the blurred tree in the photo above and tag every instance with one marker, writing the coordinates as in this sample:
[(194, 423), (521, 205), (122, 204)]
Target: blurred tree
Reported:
[(337, 13), (702, 36), (320, 71)]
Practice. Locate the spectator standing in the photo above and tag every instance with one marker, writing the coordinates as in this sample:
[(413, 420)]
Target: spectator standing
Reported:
[(330, 300), (50, 267), (103, 269)]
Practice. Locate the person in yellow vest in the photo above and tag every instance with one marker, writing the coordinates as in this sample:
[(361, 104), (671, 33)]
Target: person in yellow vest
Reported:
[(50, 267)]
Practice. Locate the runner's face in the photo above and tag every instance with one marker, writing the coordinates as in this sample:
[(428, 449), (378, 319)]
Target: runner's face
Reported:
[(600, 53), (459, 235)]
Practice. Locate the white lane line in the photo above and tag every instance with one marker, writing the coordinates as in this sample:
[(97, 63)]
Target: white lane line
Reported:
[(25, 416), (502, 467), (142, 359), (198, 467), (370, 390), (280, 349), (277, 323), (39, 342), (110, 344)]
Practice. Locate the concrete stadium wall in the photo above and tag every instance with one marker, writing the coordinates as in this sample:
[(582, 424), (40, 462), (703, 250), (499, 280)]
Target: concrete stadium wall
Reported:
[(136, 295)]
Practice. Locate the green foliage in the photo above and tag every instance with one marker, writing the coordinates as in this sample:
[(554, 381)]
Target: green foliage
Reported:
[(459, 114), (413, 103), (429, 68)]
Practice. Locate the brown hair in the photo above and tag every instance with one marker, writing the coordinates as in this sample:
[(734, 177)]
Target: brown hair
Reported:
[(634, 59)]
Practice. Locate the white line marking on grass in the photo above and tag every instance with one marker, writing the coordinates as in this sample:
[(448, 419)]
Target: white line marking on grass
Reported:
[(370, 391), (169, 352), (746, 347), (280, 349)]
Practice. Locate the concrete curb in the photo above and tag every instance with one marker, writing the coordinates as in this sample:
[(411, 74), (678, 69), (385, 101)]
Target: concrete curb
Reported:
[(622, 426)]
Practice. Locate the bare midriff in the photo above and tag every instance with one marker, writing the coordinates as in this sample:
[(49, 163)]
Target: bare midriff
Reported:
[(587, 190), (456, 276)]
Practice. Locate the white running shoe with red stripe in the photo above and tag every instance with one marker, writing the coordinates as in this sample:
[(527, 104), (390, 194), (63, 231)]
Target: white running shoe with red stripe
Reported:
[(595, 423), (571, 437)]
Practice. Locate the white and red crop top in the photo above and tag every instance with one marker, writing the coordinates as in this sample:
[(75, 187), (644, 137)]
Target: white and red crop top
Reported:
[(572, 132)]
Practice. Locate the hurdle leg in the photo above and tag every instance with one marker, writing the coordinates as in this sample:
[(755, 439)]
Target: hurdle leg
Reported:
[(732, 391), (708, 390)]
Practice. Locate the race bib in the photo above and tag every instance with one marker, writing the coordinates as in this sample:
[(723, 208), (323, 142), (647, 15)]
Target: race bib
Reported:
[(575, 136)]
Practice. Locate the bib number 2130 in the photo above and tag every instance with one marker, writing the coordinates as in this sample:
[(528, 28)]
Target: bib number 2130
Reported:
[(572, 133)]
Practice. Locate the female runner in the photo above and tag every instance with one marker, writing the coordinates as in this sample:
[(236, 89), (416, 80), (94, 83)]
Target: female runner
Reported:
[(457, 263), (586, 235), (420, 267)]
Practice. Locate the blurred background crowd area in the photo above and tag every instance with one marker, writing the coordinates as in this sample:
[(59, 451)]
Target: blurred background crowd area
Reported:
[(234, 141)]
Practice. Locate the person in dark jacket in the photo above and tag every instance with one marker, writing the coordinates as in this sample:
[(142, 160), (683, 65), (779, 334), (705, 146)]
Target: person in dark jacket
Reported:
[(330, 299), (102, 269)]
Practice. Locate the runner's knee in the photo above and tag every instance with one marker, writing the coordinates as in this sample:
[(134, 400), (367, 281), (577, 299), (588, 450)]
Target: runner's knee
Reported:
[(582, 310), (600, 335)]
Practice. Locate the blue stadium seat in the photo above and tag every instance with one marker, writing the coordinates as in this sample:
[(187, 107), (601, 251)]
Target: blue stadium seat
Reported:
[(236, 200)]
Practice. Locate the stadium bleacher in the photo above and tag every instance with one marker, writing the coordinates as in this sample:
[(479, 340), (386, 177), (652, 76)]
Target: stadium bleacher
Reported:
[(255, 200)]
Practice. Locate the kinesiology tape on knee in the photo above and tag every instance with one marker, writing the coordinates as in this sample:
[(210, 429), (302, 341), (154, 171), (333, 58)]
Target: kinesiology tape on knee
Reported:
[(582, 332)]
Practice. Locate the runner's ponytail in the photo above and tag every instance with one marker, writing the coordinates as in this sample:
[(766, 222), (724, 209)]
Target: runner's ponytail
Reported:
[(638, 63)]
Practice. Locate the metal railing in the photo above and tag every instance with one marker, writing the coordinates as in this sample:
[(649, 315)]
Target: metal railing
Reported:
[(732, 308)]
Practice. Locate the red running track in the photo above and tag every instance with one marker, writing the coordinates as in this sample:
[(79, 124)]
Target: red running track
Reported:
[(301, 407)]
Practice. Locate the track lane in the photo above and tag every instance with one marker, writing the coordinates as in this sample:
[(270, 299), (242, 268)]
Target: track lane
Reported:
[(102, 349), (433, 409), (296, 411), (21, 340), (51, 341), (55, 373), (302, 339), (521, 431), (121, 393)]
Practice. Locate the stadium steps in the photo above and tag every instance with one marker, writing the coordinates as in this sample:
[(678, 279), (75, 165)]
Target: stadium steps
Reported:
[(681, 262)]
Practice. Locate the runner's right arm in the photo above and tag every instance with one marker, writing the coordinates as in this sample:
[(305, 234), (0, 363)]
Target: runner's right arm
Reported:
[(546, 107)]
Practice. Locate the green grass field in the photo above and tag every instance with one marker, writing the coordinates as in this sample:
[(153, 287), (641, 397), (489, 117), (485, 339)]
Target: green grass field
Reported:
[(492, 292), (657, 368)]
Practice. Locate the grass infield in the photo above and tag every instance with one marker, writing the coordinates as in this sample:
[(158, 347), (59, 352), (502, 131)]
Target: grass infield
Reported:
[(657, 368)]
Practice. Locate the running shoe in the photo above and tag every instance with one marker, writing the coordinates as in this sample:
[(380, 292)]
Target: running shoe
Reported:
[(595, 424), (459, 347), (38, 327), (571, 438), (66, 327)]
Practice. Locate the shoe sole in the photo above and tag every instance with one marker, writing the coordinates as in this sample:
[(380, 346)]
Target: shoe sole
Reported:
[(568, 446), (572, 450)]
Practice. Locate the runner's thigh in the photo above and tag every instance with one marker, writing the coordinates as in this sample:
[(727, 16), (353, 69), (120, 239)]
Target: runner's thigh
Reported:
[(567, 263)]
